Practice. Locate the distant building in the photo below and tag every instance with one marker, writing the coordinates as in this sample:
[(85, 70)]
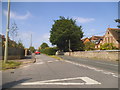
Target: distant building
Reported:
[(112, 35), (85, 40), (2, 40), (97, 40)]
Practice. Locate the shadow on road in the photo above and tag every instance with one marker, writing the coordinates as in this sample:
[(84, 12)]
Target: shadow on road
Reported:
[(14, 83), (28, 57)]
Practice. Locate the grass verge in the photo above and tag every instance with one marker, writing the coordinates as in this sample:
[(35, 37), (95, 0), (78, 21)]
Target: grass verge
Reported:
[(56, 57), (9, 65)]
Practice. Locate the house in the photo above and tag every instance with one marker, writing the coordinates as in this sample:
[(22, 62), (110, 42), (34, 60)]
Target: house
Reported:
[(2, 40), (97, 40), (85, 40), (112, 35)]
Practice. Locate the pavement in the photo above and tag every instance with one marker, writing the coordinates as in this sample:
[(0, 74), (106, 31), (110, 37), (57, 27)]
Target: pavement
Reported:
[(48, 72)]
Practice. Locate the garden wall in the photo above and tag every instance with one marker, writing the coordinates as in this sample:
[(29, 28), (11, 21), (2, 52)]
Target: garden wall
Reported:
[(101, 54)]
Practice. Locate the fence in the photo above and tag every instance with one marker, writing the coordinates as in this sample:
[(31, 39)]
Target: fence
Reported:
[(13, 53)]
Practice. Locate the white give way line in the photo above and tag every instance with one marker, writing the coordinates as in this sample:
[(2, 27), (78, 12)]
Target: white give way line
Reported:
[(87, 81)]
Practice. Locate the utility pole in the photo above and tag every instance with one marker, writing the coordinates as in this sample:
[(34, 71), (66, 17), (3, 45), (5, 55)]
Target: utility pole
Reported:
[(31, 41), (7, 31), (69, 47)]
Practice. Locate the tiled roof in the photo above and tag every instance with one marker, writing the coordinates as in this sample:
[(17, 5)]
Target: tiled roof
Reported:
[(115, 32), (96, 37), (113, 29)]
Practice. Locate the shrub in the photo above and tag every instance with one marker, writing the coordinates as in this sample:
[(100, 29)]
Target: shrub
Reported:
[(107, 46), (89, 46), (49, 50)]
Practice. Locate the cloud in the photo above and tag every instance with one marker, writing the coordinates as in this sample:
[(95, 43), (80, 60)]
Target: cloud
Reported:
[(15, 15), (83, 20)]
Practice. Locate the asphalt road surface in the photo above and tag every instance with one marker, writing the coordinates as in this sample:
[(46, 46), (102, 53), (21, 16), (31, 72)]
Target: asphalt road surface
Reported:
[(48, 72)]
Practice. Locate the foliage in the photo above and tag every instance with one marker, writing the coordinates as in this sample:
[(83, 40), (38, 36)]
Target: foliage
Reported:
[(12, 43), (89, 46), (118, 21), (20, 45), (10, 65), (49, 50), (44, 45), (64, 30), (107, 46), (32, 49)]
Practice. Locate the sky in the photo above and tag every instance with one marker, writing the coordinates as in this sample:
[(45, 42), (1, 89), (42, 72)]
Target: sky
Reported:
[(37, 18)]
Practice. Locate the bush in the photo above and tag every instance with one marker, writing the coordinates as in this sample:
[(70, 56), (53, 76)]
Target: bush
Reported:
[(107, 46), (49, 50), (89, 46)]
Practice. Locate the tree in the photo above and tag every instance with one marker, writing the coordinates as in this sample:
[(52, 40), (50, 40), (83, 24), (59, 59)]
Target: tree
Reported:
[(32, 49), (118, 21), (44, 45), (13, 31), (89, 46), (65, 30), (20, 44)]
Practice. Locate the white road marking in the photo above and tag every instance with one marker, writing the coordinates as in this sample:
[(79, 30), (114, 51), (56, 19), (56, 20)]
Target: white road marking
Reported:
[(49, 61), (87, 80), (92, 68), (26, 66), (37, 83), (115, 76), (56, 60), (39, 63)]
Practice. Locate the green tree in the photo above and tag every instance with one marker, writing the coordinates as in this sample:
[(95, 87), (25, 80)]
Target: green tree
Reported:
[(89, 46), (118, 21), (32, 49), (65, 30), (107, 46), (20, 44), (44, 45)]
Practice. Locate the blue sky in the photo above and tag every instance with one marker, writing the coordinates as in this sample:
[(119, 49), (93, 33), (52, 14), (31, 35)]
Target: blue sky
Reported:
[(37, 18)]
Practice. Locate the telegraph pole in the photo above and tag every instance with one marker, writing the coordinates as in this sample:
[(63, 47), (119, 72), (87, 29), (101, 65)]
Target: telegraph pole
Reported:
[(7, 31), (31, 41), (69, 47)]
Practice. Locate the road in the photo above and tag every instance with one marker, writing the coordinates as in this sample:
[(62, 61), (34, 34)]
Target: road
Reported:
[(108, 65), (48, 72)]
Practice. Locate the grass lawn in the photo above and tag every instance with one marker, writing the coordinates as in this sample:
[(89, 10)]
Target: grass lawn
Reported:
[(56, 57), (9, 65)]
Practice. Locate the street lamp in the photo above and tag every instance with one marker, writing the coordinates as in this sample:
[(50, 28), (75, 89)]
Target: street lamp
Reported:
[(7, 31)]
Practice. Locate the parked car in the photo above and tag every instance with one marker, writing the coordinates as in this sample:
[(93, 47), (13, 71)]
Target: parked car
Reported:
[(37, 52)]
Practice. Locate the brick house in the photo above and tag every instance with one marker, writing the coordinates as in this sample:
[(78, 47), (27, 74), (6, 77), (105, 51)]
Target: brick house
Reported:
[(112, 35)]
